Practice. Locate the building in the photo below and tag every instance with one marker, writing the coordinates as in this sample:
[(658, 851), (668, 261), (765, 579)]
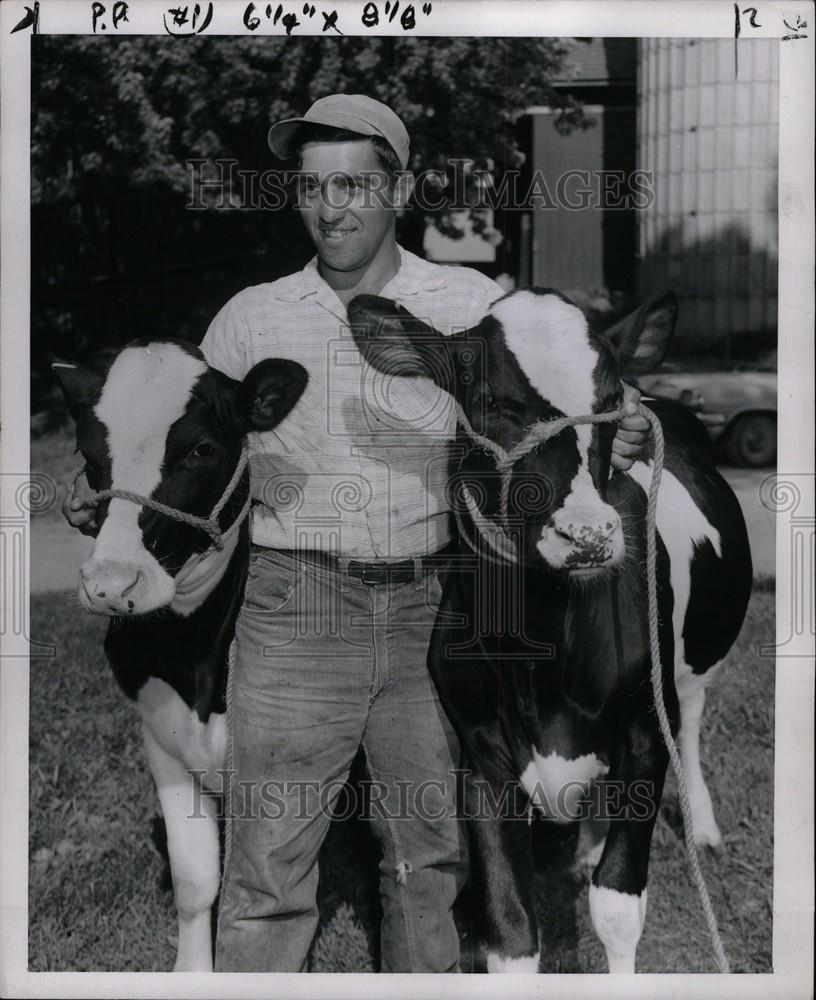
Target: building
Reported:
[(704, 139)]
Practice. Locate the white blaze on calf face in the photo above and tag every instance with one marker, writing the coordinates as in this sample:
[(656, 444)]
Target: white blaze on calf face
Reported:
[(550, 341), (145, 393)]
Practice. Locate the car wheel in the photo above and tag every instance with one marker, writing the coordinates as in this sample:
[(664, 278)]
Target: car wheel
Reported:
[(752, 440)]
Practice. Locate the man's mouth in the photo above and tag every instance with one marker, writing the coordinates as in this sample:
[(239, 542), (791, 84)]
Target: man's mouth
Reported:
[(334, 235)]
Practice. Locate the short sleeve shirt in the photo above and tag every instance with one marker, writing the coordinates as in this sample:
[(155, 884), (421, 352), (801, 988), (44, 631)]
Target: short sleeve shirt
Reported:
[(358, 468)]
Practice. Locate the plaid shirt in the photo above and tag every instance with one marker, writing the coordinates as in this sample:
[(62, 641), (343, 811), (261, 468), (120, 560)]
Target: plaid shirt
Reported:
[(359, 466)]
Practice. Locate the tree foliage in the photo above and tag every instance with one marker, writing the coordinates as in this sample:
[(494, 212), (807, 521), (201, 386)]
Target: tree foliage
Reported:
[(115, 120), (131, 111)]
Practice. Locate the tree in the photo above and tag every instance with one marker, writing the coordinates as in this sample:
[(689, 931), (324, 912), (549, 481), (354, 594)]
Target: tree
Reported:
[(115, 120)]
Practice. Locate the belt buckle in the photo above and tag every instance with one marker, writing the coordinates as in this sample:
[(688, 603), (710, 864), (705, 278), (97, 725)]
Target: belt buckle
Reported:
[(366, 571)]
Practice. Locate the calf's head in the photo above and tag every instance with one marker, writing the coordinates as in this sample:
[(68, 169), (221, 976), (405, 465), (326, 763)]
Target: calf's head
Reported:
[(532, 358), (164, 425)]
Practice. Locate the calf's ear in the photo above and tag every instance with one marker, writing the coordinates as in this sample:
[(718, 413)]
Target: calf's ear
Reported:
[(268, 393), (80, 386), (643, 338), (397, 343)]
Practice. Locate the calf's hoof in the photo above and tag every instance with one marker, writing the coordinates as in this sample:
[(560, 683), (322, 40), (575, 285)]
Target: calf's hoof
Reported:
[(524, 965), (707, 834)]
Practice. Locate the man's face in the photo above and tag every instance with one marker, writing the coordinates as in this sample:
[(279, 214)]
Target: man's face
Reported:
[(345, 202)]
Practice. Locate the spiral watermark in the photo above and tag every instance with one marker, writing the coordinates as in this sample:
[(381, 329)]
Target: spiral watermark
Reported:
[(23, 495), (790, 497)]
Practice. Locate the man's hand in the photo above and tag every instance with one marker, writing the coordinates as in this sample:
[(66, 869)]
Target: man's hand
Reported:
[(633, 432), (79, 516)]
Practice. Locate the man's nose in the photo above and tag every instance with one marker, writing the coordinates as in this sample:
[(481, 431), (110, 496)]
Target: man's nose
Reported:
[(330, 216), (334, 198), (332, 207)]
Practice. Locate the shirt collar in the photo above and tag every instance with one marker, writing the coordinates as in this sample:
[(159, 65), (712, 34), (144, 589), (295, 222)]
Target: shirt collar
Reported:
[(414, 277)]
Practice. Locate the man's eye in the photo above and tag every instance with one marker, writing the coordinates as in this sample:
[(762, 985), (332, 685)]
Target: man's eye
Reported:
[(204, 449), (346, 186), (308, 186)]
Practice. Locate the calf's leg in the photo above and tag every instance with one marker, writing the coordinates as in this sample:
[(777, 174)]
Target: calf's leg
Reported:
[(591, 839), (503, 871), (617, 891), (192, 844), (691, 692)]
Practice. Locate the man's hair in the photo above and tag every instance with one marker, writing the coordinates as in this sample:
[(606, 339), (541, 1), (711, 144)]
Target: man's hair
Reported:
[(386, 157)]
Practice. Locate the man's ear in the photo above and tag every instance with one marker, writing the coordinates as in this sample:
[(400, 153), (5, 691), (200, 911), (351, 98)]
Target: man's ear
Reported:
[(643, 338), (268, 393), (80, 386), (397, 343)]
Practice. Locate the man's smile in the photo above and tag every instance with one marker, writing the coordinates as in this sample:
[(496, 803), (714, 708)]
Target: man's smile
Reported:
[(335, 234)]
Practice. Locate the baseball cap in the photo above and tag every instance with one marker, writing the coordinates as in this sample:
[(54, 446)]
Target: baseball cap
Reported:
[(354, 112)]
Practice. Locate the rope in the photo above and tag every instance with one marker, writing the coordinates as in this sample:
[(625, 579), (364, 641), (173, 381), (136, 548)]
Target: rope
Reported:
[(209, 524), (539, 433), (657, 690), (228, 764), (505, 551)]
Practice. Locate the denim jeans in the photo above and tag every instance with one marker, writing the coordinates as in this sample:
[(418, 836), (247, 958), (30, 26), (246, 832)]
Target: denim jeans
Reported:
[(326, 664)]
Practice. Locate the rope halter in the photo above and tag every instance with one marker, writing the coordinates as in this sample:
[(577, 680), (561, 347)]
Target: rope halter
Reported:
[(208, 524), (498, 536)]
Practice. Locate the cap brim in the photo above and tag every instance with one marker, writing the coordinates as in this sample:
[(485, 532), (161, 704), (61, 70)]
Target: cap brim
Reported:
[(281, 134)]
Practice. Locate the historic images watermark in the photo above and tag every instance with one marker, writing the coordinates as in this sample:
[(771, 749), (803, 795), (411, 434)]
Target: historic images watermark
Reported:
[(222, 185), (461, 794)]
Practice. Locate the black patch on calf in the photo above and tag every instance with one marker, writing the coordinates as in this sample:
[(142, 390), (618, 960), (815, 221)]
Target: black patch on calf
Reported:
[(195, 484), (720, 587), (190, 654), (717, 604)]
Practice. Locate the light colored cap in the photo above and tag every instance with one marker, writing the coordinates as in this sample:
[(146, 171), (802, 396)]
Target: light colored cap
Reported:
[(354, 112)]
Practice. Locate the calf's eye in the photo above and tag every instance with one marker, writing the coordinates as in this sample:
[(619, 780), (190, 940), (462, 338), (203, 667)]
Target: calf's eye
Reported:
[(204, 449)]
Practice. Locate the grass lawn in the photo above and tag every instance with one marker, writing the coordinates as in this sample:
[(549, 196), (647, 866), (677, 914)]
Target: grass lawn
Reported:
[(55, 452), (96, 897)]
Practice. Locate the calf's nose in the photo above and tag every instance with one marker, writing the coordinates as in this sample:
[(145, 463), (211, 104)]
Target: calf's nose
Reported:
[(592, 540), (581, 532), (110, 588)]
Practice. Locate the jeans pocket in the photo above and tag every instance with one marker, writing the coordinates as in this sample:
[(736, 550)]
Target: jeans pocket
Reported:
[(435, 587), (271, 580)]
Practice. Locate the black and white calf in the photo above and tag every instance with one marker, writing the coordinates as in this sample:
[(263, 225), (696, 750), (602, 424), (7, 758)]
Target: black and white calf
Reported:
[(164, 425), (547, 680)]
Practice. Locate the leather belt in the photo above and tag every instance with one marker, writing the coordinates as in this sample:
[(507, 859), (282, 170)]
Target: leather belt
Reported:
[(379, 571), (403, 571)]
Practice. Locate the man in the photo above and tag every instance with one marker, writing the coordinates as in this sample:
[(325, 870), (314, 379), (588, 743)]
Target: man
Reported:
[(349, 521)]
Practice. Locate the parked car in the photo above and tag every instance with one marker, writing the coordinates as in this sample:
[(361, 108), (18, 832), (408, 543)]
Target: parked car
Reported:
[(737, 407)]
